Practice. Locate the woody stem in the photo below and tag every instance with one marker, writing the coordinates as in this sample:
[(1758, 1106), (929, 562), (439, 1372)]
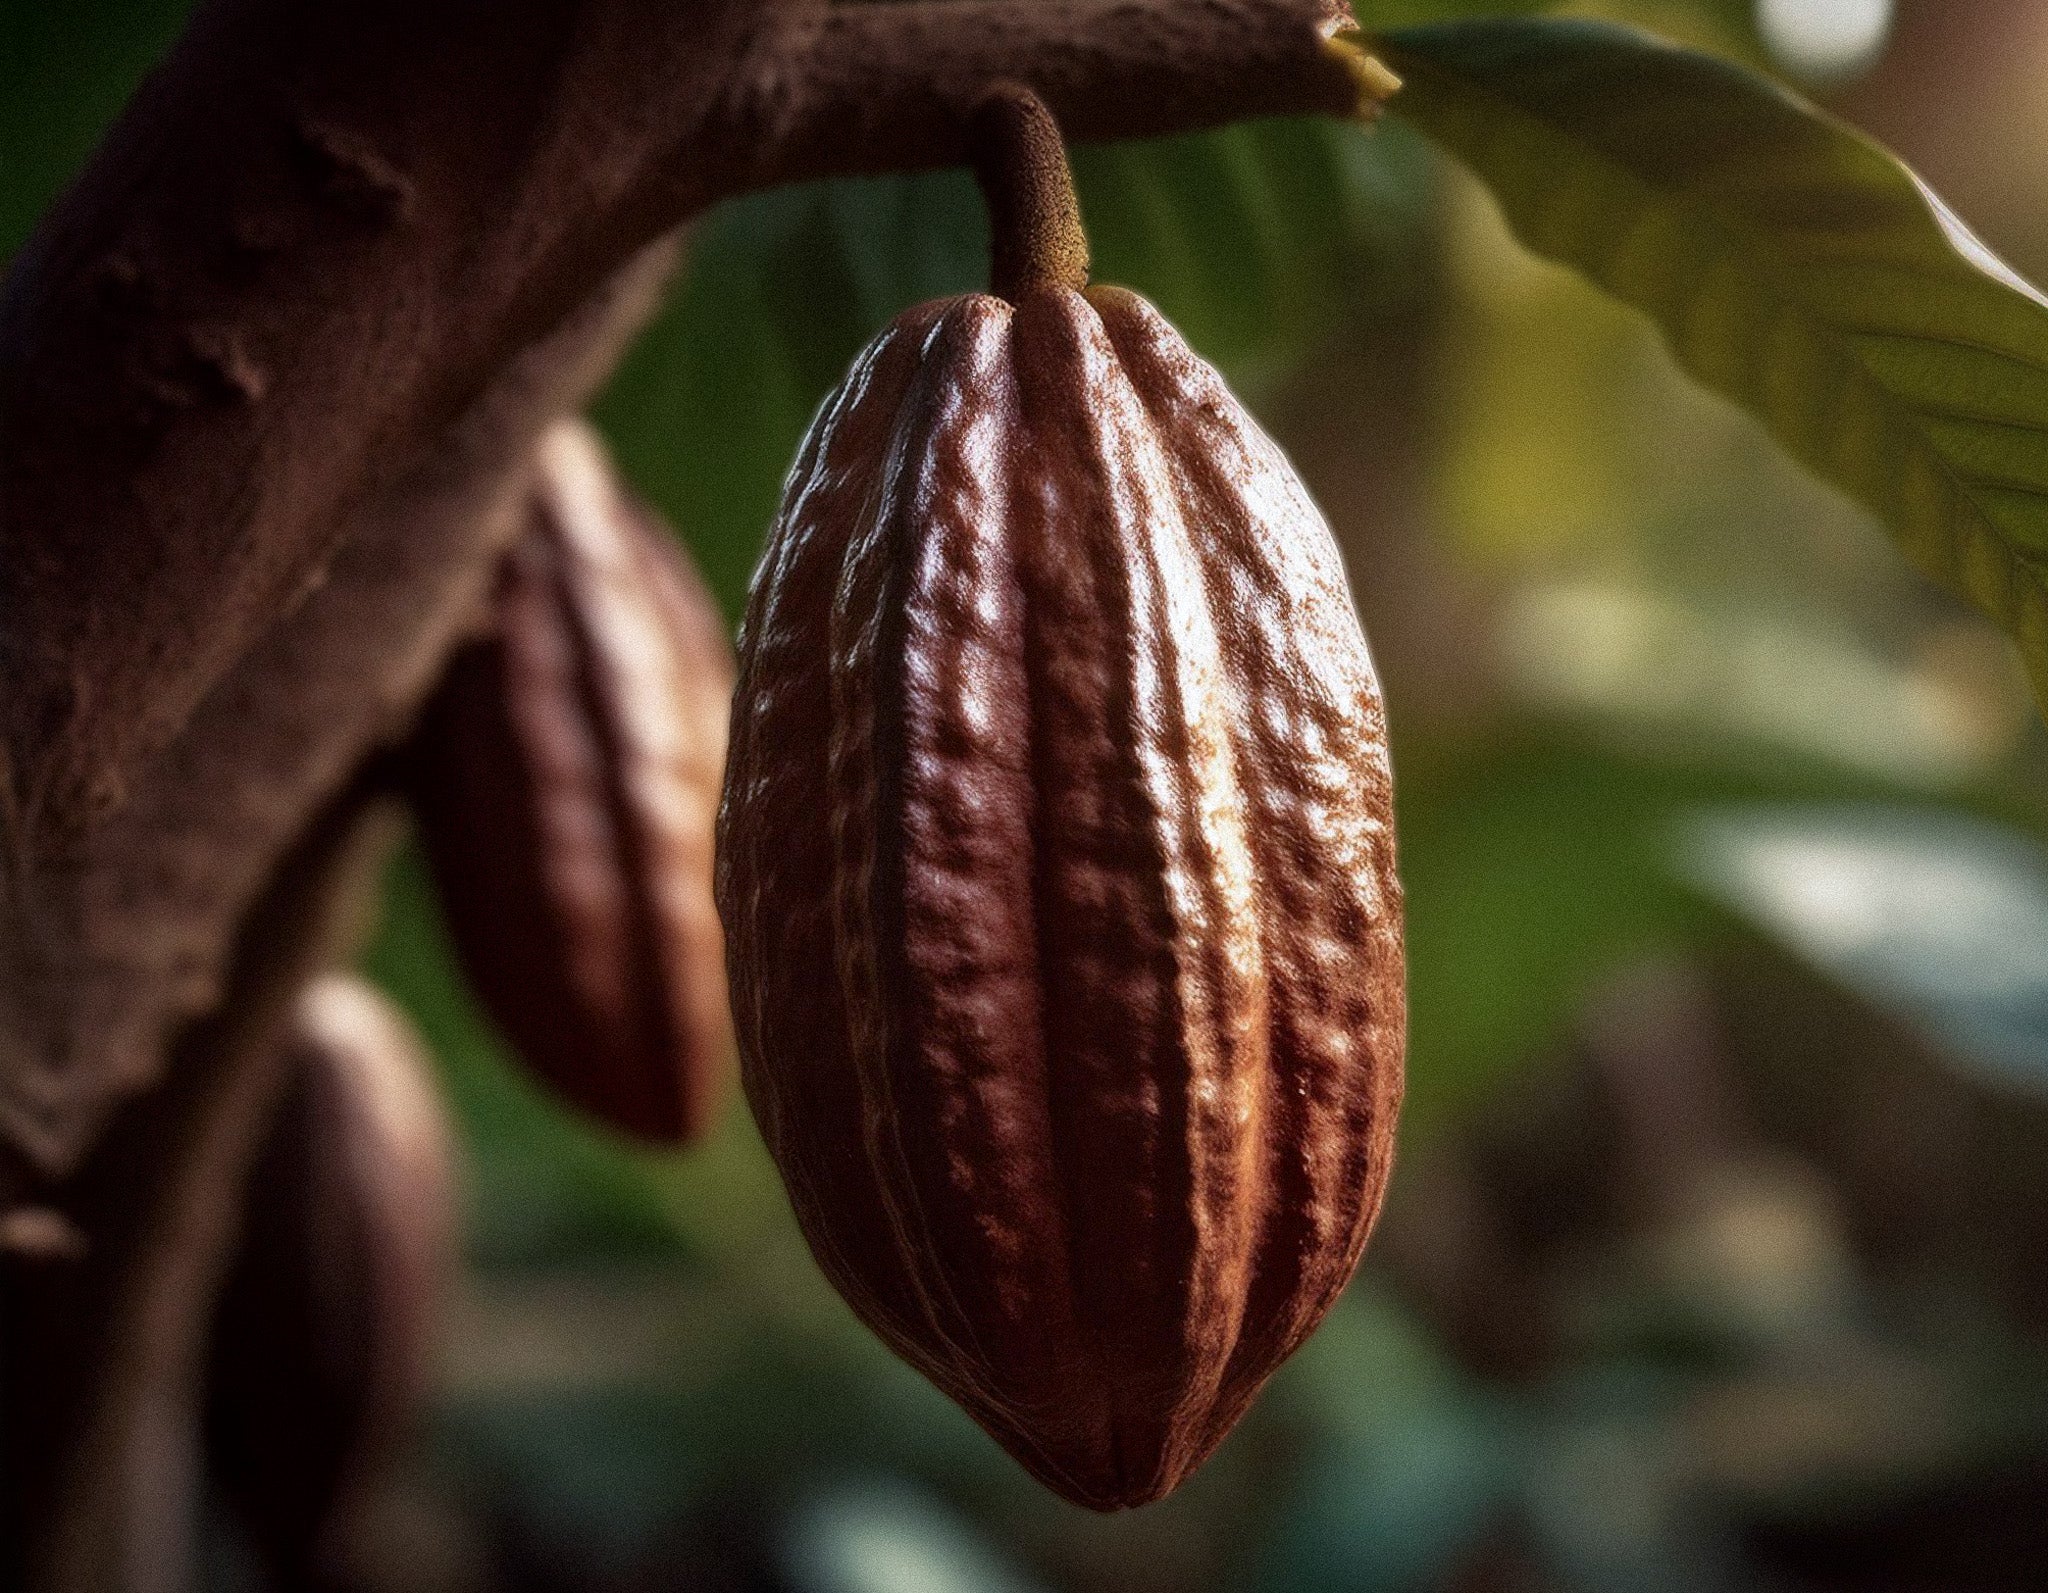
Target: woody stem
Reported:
[(1035, 236)]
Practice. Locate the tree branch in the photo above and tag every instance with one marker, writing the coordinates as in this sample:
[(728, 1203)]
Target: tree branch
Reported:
[(318, 231), (308, 245), (854, 89), (108, 949)]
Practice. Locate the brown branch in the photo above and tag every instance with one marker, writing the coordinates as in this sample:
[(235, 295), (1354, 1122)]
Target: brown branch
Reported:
[(852, 89), (309, 244), (319, 230), (108, 949), (173, 941)]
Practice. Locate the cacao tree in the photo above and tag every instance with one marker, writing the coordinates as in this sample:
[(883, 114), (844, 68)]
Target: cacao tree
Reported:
[(1056, 864)]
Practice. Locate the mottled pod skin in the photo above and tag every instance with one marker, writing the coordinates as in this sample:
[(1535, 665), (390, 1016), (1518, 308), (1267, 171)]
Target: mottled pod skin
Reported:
[(1057, 868), (324, 1335), (566, 779)]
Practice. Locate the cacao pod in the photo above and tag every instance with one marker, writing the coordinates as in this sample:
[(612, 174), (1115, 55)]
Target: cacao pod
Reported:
[(322, 1340), (1057, 868), (565, 775)]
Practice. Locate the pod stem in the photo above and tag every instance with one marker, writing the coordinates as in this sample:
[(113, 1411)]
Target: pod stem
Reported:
[(1036, 239)]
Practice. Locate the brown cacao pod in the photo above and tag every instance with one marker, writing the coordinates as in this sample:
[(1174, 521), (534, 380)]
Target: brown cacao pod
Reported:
[(323, 1337), (1057, 868), (565, 775)]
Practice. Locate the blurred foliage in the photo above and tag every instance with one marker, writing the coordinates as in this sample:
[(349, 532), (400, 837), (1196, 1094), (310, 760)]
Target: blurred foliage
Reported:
[(1793, 266), (1667, 620), (1533, 868), (65, 71), (1940, 917)]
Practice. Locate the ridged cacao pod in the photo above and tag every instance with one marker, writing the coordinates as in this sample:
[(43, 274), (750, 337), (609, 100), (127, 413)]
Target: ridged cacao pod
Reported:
[(565, 774), (323, 1338), (1057, 867)]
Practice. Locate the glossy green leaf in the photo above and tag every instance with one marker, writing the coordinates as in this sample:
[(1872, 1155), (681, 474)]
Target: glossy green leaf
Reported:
[(1792, 265)]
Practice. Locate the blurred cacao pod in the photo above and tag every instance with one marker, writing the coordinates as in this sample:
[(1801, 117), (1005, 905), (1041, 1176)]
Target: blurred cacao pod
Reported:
[(565, 775), (324, 1333), (1057, 867)]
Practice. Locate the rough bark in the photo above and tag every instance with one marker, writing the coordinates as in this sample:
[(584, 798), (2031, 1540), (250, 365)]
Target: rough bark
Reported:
[(110, 945)]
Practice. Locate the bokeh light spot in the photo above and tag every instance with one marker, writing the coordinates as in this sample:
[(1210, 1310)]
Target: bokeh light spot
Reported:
[(1824, 38)]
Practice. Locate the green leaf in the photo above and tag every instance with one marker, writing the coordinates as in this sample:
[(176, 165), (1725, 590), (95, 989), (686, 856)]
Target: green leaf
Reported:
[(1793, 266)]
